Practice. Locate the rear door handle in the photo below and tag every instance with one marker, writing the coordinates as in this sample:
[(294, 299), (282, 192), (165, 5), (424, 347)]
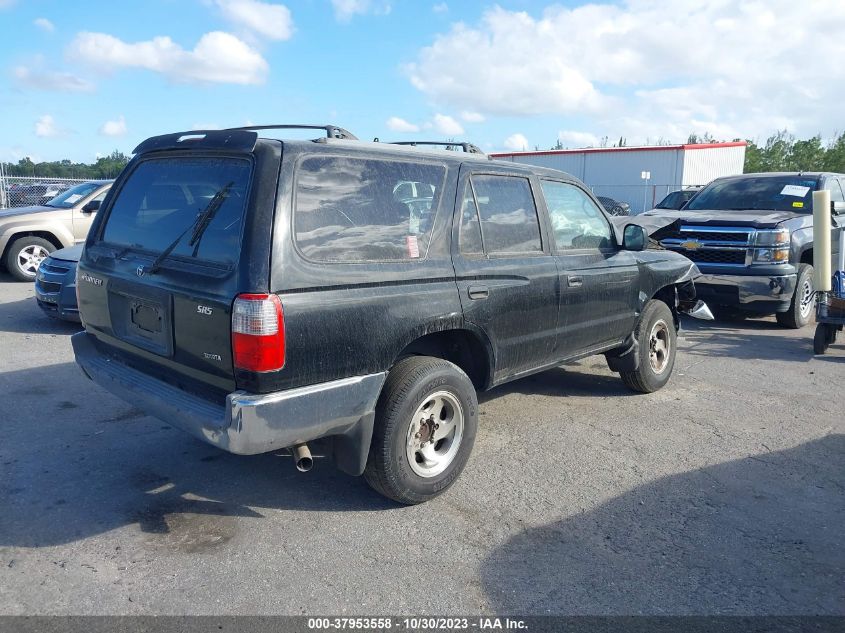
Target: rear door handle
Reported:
[(478, 292), (575, 281)]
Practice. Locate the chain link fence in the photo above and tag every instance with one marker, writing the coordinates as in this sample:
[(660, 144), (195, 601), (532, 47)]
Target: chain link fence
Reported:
[(25, 191)]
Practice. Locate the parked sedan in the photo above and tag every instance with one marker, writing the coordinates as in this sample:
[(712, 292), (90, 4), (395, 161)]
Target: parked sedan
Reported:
[(614, 207), (677, 199), (55, 283)]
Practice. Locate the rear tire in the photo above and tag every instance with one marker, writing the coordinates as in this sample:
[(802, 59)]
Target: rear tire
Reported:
[(425, 426), (657, 338), (24, 256), (800, 311)]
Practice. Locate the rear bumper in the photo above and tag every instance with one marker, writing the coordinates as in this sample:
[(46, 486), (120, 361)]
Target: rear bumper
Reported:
[(769, 293), (247, 424)]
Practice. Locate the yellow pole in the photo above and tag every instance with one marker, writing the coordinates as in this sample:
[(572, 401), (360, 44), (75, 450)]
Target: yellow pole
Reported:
[(821, 240)]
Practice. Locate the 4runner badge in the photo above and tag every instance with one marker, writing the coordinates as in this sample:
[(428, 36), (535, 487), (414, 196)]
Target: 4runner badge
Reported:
[(91, 280)]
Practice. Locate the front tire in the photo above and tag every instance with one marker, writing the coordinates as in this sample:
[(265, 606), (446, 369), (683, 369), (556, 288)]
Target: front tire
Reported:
[(801, 308), (425, 426), (657, 338), (24, 256)]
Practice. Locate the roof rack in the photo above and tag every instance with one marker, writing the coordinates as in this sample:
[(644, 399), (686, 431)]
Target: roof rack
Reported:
[(332, 131), (469, 148)]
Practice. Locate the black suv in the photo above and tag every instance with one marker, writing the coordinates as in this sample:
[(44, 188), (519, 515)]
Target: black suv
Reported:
[(752, 237), (262, 294)]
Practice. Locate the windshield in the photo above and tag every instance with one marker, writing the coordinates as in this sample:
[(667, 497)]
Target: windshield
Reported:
[(779, 193), (67, 199), (163, 198)]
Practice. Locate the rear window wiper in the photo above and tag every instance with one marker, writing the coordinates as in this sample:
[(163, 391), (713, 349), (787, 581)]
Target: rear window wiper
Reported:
[(199, 225)]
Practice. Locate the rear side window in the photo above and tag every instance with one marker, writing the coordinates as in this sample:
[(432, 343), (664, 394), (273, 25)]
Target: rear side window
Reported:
[(363, 210), (164, 197), (508, 214)]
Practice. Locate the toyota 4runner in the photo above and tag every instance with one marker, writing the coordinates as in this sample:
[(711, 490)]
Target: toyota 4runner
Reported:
[(262, 294)]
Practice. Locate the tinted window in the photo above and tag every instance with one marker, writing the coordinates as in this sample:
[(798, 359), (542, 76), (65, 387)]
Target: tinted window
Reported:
[(163, 198), (508, 214), (781, 193), (576, 220), (470, 228), (352, 209)]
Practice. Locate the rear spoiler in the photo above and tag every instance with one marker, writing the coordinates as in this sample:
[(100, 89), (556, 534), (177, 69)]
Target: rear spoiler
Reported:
[(239, 139)]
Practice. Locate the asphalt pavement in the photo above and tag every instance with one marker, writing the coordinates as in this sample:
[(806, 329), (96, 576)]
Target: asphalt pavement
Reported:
[(720, 494)]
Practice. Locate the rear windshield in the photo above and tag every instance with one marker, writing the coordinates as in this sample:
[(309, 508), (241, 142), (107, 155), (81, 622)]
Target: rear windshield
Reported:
[(780, 193), (163, 199), (365, 210)]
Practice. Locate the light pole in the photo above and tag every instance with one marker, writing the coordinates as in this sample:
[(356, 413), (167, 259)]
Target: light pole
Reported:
[(646, 175)]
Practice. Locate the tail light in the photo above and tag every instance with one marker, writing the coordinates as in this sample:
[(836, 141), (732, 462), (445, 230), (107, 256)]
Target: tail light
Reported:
[(258, 333)]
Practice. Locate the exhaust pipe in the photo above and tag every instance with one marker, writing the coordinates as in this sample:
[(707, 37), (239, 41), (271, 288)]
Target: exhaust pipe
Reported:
[(302, 458)]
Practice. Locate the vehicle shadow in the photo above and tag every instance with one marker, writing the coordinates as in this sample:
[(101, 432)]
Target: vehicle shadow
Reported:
[(564, 382), (78, 462), (752, 339), (759, 535), (26, 317)]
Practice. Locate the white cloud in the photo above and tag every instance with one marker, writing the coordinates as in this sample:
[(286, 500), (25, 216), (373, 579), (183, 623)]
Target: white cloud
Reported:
[(50, 80), (472, 117), (573, 138), (401, 125), (217, 58), (269, 20), (116, 127), (45, 127), (440, 7), (636, 68), (345, 10), (444, 124), (517, 143), (44, 24)]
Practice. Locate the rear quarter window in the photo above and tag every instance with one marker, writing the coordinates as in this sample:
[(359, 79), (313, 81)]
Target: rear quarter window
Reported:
[(163, 197), (364, 210)]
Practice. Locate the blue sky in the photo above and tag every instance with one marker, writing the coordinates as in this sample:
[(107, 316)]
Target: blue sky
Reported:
[(83, 78)]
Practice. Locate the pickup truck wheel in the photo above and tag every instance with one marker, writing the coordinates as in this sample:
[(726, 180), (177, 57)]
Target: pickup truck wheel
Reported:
[(426, 420), (801, 309), (24, 256), (656, 335)]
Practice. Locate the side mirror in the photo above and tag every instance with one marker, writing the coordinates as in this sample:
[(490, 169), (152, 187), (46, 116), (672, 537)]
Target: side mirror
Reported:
[(634, 238), (92, 206), (837, 207)]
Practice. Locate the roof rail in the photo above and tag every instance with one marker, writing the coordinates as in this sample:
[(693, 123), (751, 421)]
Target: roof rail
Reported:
[(469, 148), (332, 131)]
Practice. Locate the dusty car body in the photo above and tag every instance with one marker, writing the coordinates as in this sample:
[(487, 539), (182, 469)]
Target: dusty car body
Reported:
[(263, 294)]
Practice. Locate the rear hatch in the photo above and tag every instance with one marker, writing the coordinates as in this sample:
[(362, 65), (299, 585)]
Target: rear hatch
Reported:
[(182, 235)]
